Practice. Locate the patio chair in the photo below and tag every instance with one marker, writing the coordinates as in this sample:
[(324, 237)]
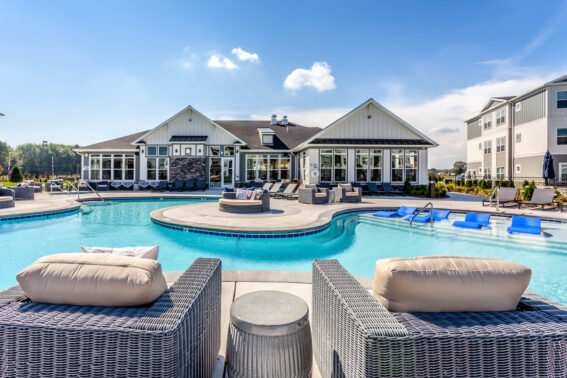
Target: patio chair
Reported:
[(144, 185), (474, 221), (161, 186), (189, 184), (324, 185), (102, 185), (127, 185), (505, 197), (116, 184), (7, 198), (401, 212), (438, 215), (373, 188), (267, 186), (390, 190), (347, 193), (176, 336), (178, 185), (83, 186), (201, 184), (287, 191), (540, 197), (354, 335), (525, 225), (310, 194), (274, 190)]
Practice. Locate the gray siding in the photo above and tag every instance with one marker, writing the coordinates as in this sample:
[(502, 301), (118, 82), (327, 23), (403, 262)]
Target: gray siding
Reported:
[(501, 160), (488, 162), (474, 130), (474, 166), (533, 107), (531, 166)]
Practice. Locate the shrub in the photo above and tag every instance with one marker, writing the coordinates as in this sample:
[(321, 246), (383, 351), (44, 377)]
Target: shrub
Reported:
[(450, 187), (407, 187), (440, 191), (468, 184), (529, 191), (510, 184), (16, 175), (526, 183)]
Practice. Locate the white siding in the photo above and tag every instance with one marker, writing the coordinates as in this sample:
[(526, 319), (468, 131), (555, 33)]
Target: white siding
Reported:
[(351, 163), (197, 126), (386, 170), (534, 138), (423, 178), (312, 158), (143, 164), (379, 126)]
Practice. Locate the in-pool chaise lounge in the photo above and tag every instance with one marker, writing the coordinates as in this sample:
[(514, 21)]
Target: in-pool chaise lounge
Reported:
[(438, 215), (176, 336), (525, 225), (474, 221), (401, 212), (354, 335)]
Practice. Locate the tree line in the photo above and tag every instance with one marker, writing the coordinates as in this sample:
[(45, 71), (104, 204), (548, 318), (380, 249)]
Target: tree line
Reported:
[(34, 160)]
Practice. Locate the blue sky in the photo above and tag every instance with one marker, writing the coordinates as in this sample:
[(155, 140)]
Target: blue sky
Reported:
[(82, 72)]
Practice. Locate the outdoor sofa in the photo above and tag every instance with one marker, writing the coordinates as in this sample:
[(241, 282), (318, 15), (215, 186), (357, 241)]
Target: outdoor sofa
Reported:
[(346, 193), (176, 336), (354, 335), (7, 198), (23, 192), (310, 194), (230, 204)]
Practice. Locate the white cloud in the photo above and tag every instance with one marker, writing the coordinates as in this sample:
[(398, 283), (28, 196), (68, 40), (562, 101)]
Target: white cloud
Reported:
[(319, 77), (217, 61), (245, 55)]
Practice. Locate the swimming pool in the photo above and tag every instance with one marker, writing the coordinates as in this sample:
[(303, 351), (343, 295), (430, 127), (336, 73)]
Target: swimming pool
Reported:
[(356, 240)]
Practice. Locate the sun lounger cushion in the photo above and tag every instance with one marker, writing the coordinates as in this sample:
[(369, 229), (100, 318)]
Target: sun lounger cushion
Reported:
[(141, 252), (449, 284), (93, 279), (237, 202)]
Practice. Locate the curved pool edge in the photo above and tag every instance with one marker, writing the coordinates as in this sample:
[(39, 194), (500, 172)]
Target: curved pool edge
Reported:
[(69, 210)]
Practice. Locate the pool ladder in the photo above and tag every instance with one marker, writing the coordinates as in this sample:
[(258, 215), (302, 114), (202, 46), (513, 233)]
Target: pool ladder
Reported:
[(90, 188), (420, 211)]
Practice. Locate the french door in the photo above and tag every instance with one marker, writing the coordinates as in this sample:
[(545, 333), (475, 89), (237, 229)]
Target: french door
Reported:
[(221, 172)]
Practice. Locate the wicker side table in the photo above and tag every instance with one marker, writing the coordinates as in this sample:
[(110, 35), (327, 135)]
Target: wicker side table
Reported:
[(269, 336)]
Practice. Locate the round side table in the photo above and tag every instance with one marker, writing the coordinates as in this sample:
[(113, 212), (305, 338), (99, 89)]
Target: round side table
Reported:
[(269, 336)]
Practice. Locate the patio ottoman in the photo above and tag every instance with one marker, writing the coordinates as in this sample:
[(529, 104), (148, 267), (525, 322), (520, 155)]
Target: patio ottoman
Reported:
[(269, 336)]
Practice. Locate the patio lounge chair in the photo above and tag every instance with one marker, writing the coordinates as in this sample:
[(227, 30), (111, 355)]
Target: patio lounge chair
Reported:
[(354, 335), (83, 186), (310, 194), (474, 221), (525, 225), (267, 185), (390, 190), (401, 212), (274, 190), (161, 186), (144, 185), (373, 189), (176, 336), (178, 185), (541, 197), (127, 185), (189, 184), (116, 184), (438, 215), (505, 196), (102, 185), (201, 184), (288, 191)]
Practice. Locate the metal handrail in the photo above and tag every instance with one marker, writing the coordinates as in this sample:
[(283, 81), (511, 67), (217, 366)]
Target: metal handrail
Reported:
[(495, 193), (91, 189), (420, 211)]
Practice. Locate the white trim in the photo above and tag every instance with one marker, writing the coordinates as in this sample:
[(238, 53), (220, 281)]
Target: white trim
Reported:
[(101, 150), (560, 167), (186, 109), (370, 101)]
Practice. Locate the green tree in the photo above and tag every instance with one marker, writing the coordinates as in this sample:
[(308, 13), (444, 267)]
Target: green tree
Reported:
[(459, 167), (16, 175), (36, 159), (5, 152)]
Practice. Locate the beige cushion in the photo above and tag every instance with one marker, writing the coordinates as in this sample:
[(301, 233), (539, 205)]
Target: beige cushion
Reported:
[(449, 284), (346, 187), (93, 279), (320, 195), (351, 194), (235, 202), (142, 252)]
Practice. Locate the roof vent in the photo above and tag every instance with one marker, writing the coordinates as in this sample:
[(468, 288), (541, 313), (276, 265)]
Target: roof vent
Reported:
[(274, 119), (284, 120)]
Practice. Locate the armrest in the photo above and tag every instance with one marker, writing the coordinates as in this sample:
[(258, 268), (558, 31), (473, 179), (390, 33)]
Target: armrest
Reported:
[(8, 192), (339, 193), (358, 191)]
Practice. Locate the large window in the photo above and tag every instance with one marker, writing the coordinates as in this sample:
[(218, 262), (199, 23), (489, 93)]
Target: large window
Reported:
[(157, 150), (561, 136), (562, 100), (368, 165), (501, 144), (268, 167), (500, 173), (487, 147), (157, 168), (333, 165), (404, 165), (487, 121), (563, 172), (115, 167), (487, 173), (500, 116)]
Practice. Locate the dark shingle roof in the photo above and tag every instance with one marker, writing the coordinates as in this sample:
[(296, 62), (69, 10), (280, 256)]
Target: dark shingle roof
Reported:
[(121, 143), (380, 142), (285, 138)]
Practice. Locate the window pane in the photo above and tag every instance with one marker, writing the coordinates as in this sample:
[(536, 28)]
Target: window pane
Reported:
[(251, 175), (340, 175), (376, 175), (215, 150), (411, 159), (326, 159), (361, 175), (151, 151), (397, 175), (163, 163), (411, 175), (229, 151), (162, 150), (151, 164), (129, 163), (325, 175), (562, 95), (340, 159), (397, 159)]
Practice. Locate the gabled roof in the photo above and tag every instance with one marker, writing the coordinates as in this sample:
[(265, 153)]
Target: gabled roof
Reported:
[(186, 109), (122, 143), (285, 138), (497, 100), (370, 101), (559, 80)]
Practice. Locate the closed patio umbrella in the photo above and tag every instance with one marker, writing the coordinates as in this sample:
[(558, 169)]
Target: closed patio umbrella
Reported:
[(548, 171)]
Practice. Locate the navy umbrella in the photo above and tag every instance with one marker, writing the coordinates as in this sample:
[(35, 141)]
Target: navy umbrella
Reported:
[(548, 171)]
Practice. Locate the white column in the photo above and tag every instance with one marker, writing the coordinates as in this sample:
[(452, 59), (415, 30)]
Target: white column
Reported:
[(143, 164), (82, 166), (313, 161), (351, 163), (422, 166), (237, 164), (387, 166)]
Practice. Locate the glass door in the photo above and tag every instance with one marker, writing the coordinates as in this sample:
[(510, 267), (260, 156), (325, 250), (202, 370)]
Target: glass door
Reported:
[(215, 173), (227, 172)]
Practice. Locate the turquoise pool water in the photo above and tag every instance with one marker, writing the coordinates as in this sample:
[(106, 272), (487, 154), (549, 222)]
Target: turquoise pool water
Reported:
[(357, 240)]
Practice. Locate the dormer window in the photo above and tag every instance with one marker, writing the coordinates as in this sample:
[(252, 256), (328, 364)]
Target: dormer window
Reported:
[(267, 136)]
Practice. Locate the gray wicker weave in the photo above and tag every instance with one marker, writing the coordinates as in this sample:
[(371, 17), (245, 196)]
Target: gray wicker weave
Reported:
[(340, 195), (355, 336), (7, 198), (249, 208), (177, 336), (307, 195), (23, 192)]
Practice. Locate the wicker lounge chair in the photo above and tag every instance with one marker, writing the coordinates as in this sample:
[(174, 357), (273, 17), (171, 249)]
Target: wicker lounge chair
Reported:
[(310, 194), (355, 336), (7, 198), (177, 336), (230, 204), (540, 197), (23, 192), (505, 197), (345, 195)]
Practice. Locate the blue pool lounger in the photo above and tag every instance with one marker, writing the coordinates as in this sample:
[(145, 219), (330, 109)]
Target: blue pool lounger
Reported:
[(401, 212), (525, 225), (473, 220), (438, 215)]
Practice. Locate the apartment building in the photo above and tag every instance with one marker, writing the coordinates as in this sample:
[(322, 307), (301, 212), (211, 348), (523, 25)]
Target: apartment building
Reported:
[(509, 137)]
